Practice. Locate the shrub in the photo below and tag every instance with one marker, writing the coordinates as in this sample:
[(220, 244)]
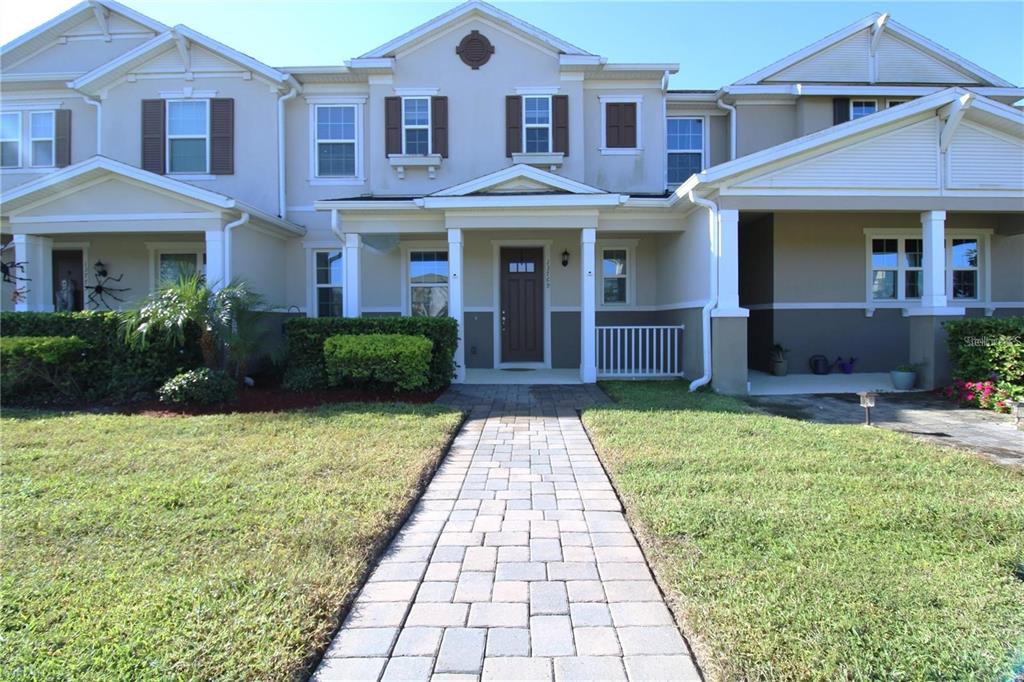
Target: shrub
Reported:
[(393, 361), (28, 360), (203, 386), (988, 360), (305, 339)]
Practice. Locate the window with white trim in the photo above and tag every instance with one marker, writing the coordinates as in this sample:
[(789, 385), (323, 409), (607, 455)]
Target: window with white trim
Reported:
[(172, 266), (685, 144), (963, 266), (897, 267), (335, 140), (890, 103), (537, 124), (615, 276), (10, 139), (416, 125), (859, 108), (328, 282), (42, 138), (428, 283), (188, 136)]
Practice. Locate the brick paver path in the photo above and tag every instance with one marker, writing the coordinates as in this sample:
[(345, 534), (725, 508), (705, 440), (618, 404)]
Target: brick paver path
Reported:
[(517, 563)]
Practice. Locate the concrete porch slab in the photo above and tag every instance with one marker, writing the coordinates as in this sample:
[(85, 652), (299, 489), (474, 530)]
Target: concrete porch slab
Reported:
[(762, 383)]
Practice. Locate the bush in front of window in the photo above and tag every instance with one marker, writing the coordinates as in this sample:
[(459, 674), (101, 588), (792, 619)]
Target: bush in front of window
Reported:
[(203, 386), (988, 360), (394, 362), (305, 337), (52, 360)]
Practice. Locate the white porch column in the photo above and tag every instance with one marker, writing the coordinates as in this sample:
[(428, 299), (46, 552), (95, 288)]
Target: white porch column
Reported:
[(933, 234), (37, 255), (588, 317), (353, 248), (215, 259), (729, 261), (455, 298)]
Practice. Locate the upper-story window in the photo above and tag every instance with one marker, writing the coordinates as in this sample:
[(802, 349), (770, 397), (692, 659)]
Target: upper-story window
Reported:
[(416, 125), (335, 140), (859, 108), (685, 146), (537, 124), (10, 139), (188, 136), (42, 137), (620, 124)]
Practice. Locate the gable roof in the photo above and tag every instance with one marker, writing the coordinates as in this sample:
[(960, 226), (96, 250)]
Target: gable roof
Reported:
[(531, 181), (877, 24), (478, 8), (182, 35)]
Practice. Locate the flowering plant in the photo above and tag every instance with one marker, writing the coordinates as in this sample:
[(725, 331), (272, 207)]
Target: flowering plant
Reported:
[(988, 394)]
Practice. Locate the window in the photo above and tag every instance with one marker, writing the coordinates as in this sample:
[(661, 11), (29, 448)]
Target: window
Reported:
[(621, 124), (172, 266), (330, 277), (963, 258), (41, 137), (859, 108), (188, 139), (10, 140), (335, 141), (614, 284), (416, 125), (428, 283), (537, 124), (885, 261), (685, 146), (913, 275), (890, 103)]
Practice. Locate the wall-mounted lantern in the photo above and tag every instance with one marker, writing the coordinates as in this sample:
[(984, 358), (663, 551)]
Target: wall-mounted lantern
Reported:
[(565, 258)]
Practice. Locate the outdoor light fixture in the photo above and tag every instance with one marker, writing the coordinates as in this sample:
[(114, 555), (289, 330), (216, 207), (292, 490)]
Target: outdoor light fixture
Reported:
[(565, 258), (101, 269), (867, 401)]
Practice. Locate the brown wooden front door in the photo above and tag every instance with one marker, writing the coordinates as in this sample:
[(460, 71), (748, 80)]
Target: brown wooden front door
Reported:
[(522, 305), (67, 265)]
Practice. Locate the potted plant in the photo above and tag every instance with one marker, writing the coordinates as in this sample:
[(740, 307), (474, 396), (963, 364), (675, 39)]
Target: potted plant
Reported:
[(903, 377), (777, 360)]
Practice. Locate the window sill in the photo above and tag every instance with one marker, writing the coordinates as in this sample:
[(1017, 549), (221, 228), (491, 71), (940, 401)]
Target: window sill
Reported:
[(192, 176), (314, 182), (402, 161), (552, 161), (28, 169), (621, 151)]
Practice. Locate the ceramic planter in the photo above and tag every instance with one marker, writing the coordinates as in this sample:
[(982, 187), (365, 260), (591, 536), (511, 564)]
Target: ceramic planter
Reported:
[(903, 381), (780, 367)]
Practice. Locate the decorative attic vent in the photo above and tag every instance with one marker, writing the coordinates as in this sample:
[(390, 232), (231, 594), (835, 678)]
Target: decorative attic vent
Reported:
[(475, 50)]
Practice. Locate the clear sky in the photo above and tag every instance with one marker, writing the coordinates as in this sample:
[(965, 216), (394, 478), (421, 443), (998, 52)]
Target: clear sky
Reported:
[(715, 43)]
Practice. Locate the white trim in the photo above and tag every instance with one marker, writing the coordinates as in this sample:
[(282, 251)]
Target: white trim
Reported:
[(17, 139), (312, 303), (158, 249), (418, 126), (704, 151), (496, 246), (629, 246), (168, 137), (354, 103), (891, 102), (550, 125), (537, 91), (187, 93), (511, 173), (863, 100), (407, 248), (604, 101), (110, 217), (11, 107), (416, 92)]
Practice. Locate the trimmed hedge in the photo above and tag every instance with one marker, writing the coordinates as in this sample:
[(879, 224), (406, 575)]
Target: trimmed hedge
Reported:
[(109, 370), (203, 386), (397, 362), (988, 360), (27, 360), (305, 337)]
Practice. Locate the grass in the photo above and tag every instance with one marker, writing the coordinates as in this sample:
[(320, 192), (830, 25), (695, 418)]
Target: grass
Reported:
[(214, 547), (798, 551)]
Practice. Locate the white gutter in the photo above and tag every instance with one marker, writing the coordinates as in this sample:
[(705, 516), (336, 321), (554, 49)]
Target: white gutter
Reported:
[(228, 229), (281, 197), (98, 103), (732, 125), (335, 227), (705, 313)]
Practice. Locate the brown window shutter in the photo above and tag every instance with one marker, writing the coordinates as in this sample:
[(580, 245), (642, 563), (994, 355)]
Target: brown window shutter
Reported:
[(560, 120), (62, 146), (513, 125), (620, 125), (611, 125), (392, 125), (153, 138), (222, 136), (439, 126), (840, 110)]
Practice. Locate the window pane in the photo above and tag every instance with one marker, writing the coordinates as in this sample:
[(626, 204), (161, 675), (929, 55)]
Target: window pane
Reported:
[(883, 284), (965, 253), (42, 153), (329, 268), (336, 123), (914, 283), (328, 302), (416, 141), (42, 124), (174, 265), (186, 118), (8, 154), (884, 253), (913, 250), (615, 290), (860, 109), (538, 110), (685, 134), (337, 159), (613, 262), (428, 267), (537, 140), (682, 166), (188, 156), (429, 301), (416, 111), (9, 126), (965, 284)]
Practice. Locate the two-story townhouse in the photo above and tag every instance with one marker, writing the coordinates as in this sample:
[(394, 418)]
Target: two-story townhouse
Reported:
[(577, 217)]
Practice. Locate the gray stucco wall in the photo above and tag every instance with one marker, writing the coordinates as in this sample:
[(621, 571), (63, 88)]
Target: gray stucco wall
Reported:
[(879, 342), (478, 337), (565, 340)]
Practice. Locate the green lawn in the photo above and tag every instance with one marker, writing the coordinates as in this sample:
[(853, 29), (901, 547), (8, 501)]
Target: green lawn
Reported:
[(215, 547), (798, 551)]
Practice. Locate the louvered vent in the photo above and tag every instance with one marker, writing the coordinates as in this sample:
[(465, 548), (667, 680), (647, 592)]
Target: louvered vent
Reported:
[(475, 50)]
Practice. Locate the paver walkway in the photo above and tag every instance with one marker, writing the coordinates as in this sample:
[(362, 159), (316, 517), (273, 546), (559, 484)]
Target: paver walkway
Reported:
[(517, 563)]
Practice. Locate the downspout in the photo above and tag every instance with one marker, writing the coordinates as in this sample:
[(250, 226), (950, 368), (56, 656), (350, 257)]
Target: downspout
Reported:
[(228, 229), (99, 122), (732, 126), (705, 313), (281, 198)]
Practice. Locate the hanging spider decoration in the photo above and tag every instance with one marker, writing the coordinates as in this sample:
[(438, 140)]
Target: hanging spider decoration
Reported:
[(9, 274), (102, 290)]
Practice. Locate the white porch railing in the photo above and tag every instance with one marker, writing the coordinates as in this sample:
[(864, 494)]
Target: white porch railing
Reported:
[(639, 351)]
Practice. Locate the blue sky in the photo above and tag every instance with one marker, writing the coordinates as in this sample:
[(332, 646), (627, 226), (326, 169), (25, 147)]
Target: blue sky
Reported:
[(715, 43)]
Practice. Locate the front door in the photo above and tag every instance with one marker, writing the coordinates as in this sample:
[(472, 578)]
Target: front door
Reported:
[(522, 305), (68, 281)]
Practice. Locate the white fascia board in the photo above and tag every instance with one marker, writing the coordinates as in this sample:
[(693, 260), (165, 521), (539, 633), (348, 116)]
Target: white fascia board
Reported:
[(272, 220), (578, 60), (517, 171), (655, 67), (944, 54), (129, 13), (457, 13), (797, 89), (371, 63), (364, 205), (231, 54), (524, 201), (710, 96)]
